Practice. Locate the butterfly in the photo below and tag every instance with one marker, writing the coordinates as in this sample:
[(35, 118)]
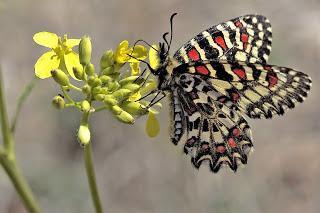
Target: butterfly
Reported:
[(219, 78)]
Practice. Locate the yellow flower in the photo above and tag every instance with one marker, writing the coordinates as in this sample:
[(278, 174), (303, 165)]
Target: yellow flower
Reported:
[(135, 68), (123, 51), (61, 55), (152, 125), (154, 59)]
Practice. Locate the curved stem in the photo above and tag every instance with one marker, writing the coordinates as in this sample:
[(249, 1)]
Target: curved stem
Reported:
[(90, 170), (8, 160), (21, 100)]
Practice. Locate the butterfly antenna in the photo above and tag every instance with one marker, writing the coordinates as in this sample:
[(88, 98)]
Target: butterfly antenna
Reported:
[(140, 40), (171, 29), (164, 36)]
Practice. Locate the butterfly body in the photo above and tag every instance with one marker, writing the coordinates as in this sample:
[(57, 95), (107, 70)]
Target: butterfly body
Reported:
[(219, 77)]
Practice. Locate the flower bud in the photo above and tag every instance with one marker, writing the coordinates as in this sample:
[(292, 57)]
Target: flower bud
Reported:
[(89, 69), (104, 90), (131, 87), (96, 90), (125, 117), (85, 106), (97, 82), (109, 100), (99, 97), (121, 94), (86, 89), (78, 72), (58, 102), (106, 60), (105, 79), (107, 71), (134, 108), (128, 80), (85, 50), (113, 85), (116, 110), (84, 135), (60, 77)]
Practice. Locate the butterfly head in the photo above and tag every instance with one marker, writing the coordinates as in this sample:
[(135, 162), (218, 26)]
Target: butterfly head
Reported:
[(160, 55)]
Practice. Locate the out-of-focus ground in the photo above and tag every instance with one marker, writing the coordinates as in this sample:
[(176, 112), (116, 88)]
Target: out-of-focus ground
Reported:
[(139, 174)]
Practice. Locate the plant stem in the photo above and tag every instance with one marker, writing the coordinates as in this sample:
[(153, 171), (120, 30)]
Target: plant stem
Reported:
[(90, 170), (8, 160), (21, 100)]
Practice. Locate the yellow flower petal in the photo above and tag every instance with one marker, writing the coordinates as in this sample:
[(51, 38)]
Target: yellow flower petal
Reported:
[(152, 126), (120, 55), (135, 68), (154, 57), (46, 39), (72, 42), (139, 52), (71, 60), (47, 62)]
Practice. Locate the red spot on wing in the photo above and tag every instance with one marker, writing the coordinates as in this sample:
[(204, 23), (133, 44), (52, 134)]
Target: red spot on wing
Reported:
[(236, 132), (232, 143), (220, 41), (193, 54), (272, 78), (205, 147), (240, 73), (244, 38), (202, 70), (238, 24), (221, 149)]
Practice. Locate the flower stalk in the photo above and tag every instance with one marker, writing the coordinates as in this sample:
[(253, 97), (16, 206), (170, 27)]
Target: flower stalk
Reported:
[(8, 159)]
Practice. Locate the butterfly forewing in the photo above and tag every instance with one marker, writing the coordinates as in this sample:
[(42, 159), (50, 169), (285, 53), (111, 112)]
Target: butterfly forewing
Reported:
[(246, 38)]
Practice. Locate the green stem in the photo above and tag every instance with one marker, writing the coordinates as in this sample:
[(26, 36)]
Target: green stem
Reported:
[(8, 160), (90, 170), (21, 100)]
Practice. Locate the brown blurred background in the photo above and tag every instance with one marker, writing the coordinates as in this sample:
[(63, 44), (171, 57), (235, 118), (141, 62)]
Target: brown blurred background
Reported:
[(139, 174)]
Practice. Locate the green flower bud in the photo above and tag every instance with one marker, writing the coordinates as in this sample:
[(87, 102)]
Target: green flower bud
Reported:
[(89, 69), (99, 97), (91, 80), (85, 106), (134, 108), (97, 82), (60, 77), (84, 135), (58, 102), (105, 79), (106, 60), (109, 100), (121, 94), (131, 87), (113, 85), (104, 90), (116, 109), (86, 89), (96, 90), (85, 50), (128, 80), (78, 72), (125, 117), (107, 71)]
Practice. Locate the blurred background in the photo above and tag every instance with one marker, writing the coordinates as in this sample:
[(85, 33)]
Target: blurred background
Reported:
[(136, 173)]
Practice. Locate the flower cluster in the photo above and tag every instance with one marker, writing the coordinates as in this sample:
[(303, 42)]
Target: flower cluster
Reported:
[(113, 87)]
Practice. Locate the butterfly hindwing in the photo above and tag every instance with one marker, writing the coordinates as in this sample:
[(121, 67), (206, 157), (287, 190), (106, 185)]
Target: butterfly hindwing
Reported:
[(215, 131), (247, 38)]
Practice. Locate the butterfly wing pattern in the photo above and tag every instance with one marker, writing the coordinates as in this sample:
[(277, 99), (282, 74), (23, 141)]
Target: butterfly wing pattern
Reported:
[(223, 76)]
